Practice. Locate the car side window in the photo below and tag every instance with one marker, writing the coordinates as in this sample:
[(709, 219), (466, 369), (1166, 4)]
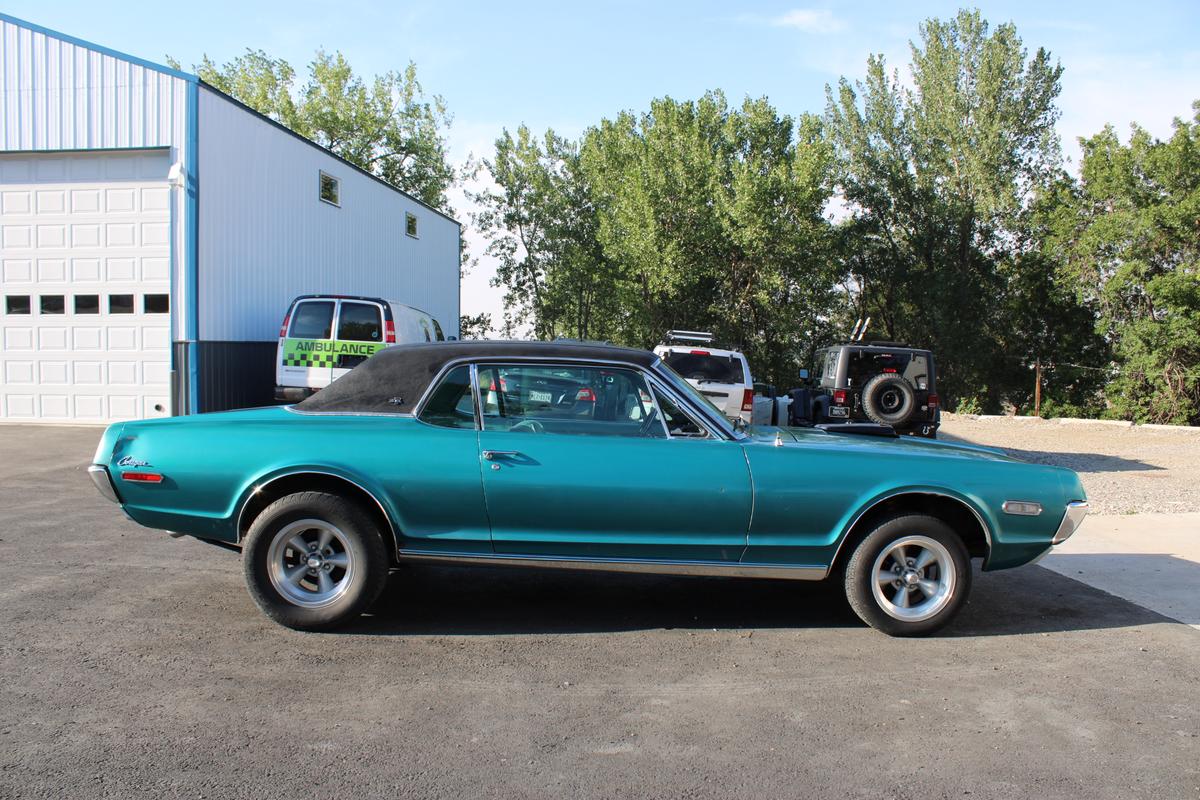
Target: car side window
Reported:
[(568, 399), (679, 425), (452, 404)]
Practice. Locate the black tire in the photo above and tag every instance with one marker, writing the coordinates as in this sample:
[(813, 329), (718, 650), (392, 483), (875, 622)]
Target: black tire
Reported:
[(354, 541), (874, 555), (888, 399)]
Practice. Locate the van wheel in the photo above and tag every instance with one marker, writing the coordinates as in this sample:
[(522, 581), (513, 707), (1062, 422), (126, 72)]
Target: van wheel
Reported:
[(314, 561), (909, 577)]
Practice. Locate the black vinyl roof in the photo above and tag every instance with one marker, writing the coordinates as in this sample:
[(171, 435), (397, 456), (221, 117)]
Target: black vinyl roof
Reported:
[(394, 379)]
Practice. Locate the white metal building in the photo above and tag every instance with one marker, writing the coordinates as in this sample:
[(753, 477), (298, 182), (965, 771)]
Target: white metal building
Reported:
[(153, 231)]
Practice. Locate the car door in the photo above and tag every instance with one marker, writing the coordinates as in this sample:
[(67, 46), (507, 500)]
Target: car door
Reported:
[(577, 463), (306, 353)]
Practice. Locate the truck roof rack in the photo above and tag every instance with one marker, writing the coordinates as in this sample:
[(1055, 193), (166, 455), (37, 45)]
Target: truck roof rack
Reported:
[(689, 336)]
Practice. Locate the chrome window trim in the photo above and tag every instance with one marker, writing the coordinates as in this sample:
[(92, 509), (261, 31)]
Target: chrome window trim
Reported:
[(476, 361), (390, 414), (987, 532), (652, 566), (258, 487), (716, 419), (656, 383)]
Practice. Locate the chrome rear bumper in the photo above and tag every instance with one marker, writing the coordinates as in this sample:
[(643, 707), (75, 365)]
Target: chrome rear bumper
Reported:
[(103, 481), (1072, 518)]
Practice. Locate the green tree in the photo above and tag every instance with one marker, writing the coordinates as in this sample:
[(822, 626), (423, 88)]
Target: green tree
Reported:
[(1129, 240), (474, 326), (938, 178), (387, 125)]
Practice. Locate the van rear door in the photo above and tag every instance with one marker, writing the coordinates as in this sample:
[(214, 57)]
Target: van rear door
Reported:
[(306, 354), (360, 333)]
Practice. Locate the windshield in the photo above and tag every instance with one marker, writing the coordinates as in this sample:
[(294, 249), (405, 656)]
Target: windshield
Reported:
[(698, 365), (715, 415)]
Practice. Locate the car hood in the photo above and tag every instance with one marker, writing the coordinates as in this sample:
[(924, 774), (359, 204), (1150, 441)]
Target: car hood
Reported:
[(763, 435)]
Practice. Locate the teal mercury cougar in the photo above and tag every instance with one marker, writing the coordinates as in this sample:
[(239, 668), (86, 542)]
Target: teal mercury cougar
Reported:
[(578, 456)]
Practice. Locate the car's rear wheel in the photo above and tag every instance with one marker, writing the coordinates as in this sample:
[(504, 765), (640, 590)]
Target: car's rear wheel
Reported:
[(314, 561), (909, 576)]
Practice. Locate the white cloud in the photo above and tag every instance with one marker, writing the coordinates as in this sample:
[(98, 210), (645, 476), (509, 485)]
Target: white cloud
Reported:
[(809, 20)]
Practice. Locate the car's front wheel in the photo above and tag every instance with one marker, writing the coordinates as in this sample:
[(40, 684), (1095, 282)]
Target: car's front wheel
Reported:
[(314, 561), (910, 576)]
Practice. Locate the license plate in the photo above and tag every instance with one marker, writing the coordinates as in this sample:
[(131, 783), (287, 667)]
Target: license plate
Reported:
[(540, 397), (839, 411)]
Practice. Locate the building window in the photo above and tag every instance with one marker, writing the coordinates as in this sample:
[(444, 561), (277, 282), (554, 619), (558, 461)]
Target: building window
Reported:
[(410, 225), (87, 304), (156, 304), (17, 304), (331, 190), (54, 304), (120, 304)]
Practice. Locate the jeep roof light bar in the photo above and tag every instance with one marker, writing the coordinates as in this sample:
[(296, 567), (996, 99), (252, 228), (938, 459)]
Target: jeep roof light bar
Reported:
[(690, 336)]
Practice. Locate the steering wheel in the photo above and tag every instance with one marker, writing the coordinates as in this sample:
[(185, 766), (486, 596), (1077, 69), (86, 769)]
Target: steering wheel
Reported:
[(651, 419), (528, 426)]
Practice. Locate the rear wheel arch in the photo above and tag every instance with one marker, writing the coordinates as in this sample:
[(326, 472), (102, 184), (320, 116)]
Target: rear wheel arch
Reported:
[(962, 518), (266, 492)]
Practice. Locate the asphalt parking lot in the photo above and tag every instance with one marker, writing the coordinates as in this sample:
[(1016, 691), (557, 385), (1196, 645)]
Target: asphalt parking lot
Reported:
[(135, 665)]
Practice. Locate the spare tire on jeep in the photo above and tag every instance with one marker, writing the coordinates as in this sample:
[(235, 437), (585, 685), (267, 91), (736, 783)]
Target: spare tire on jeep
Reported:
[(888, 399)]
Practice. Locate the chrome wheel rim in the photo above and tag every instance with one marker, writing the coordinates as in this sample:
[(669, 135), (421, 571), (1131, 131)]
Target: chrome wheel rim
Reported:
[(913, 578), (310, 563)]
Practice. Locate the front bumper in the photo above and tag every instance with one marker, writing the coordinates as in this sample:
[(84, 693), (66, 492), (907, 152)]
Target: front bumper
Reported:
[(1072, 519)]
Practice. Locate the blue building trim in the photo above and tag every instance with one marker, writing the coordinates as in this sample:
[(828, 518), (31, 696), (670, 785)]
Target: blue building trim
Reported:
[(191, 249), (108, 51)]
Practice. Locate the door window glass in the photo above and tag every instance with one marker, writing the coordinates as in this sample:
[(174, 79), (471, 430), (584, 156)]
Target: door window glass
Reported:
[(590, 401), (679, 424), (53, 304), (451, 405), (16, 304), (87, 304), (360, 322), (120, 304), (312, 320)]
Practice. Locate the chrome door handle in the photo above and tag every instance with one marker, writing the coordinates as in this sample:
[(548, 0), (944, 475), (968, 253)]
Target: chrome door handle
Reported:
[(492, 455)]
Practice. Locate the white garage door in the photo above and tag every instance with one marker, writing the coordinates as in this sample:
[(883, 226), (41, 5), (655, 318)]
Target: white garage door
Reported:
[(84, 254)]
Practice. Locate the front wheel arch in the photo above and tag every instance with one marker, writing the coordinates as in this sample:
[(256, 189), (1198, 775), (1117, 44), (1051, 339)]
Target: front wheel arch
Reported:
[(962, 518), (266, 492)]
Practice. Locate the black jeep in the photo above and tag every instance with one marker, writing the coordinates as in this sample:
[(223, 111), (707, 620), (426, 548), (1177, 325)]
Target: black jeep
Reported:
[(887, 383)]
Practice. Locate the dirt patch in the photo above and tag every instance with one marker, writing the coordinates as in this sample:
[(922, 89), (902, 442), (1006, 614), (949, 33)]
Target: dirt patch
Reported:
[(1125, 470)]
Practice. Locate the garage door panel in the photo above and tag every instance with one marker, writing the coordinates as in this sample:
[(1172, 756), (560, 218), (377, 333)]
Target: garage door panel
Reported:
[(83, 242)]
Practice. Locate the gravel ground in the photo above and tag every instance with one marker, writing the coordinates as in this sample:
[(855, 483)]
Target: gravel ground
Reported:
[(133, 665), (1125, 470)]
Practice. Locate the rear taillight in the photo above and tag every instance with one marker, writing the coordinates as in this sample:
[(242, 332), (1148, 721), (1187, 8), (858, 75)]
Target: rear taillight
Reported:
[(141, 477), (586, 395), (748, 400), (389, 332), (932, 401), (839, 397), (283, 328)]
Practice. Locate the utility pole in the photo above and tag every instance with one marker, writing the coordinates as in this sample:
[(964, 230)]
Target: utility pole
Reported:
[(1037, 388)]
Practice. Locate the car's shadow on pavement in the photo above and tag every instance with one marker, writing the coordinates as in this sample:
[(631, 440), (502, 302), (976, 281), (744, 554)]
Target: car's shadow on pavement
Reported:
[(497, 601)]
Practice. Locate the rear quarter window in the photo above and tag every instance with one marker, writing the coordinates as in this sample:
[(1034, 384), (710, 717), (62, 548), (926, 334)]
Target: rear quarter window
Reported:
[(312, 319)]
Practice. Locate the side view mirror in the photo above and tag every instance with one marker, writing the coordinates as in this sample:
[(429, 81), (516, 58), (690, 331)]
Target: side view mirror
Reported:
[(803, 374)]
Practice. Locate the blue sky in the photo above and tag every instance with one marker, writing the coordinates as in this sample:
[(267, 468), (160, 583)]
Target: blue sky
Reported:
[(566, 65)]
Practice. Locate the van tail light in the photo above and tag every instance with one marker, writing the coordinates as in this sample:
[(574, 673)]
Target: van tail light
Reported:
[(141, 477), (283, 328), (586, 395), (389, 332), (932, 401), (748, 400), (839, 397)]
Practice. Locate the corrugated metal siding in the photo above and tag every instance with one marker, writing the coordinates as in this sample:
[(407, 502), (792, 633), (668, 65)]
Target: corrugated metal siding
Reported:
[(265, 237), (60, 94), (57, 95)]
